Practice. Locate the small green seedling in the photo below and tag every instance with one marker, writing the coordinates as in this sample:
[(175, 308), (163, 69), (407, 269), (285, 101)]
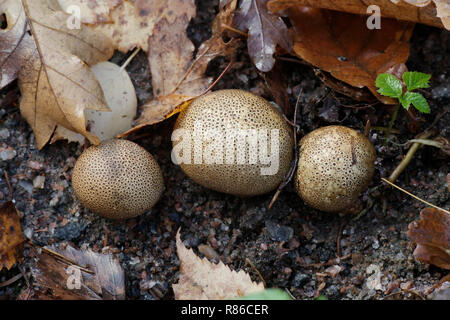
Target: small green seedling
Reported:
[(391, 86)]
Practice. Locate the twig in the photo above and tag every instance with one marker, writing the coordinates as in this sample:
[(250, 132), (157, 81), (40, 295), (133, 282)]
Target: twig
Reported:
[(339, 237), (219, 77), (11, 281), (367, 129), (415, 197), (427, 142), (9, 186), (407, 159), (230, 28), (294, 163), (247, 260)]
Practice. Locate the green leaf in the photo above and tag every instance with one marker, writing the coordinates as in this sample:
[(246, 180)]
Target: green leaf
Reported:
[(404, 100), (415, 80), (417, 100), (389, 85), (268, 294)]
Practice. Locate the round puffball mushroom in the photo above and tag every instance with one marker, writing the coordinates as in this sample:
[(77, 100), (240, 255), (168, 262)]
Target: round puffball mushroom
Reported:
[(335, 165), (117, 179), (233, 141)]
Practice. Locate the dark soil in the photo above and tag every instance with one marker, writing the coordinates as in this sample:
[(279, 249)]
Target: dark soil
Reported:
[(292, 244)]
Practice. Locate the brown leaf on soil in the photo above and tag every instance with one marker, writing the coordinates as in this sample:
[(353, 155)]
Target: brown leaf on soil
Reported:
[(133, 22), (203, 280), (432, 235), (177, 78), (11, 237), (51, 62), (437, 14), (265, 32), (71, 274), (341, 44)]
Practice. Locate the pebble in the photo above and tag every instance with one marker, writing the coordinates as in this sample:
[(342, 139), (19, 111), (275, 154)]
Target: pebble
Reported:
[(279, 232), (7, 154), (4, 134), (300, 279), (39, 182)]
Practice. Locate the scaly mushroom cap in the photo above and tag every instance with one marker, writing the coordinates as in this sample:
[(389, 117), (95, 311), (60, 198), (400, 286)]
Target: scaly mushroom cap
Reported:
[(335, 165), (117, 179), (220, 113)]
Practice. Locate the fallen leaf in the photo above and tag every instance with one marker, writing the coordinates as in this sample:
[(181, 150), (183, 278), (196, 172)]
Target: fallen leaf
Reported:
[(265, 32), (10, 235), (436, 15), (432, 236), (51, 61), (177, 77), (133, 22), (203, 280), (91, 11), (341, 44), (71, 274), (120, 96)]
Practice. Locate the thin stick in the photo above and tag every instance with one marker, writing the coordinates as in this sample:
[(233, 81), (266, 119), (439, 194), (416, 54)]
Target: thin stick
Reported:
[(256, 270), (220, 77), (188, 71), (225, 26), (293, 167), (428, 142), (66, 260), (367, 129), (9, 186), (339, 237), (11, 281), (407, 159), (415, 197), (129, 59)]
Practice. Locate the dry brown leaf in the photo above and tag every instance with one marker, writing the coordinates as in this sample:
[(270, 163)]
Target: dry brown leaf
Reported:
[(432, 235), (203, 280), (265, 32), (177, 78), (51, 62), (414, 11), (91, 11), (341, 44), (134, 21), (56, 272), (11, 237)]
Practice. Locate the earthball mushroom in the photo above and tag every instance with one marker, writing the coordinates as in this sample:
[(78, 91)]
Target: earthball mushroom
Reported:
[(117, 179), (233, 141), (335, 165)]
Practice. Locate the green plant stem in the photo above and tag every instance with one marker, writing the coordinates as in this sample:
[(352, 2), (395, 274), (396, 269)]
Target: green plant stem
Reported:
[(391, 123)]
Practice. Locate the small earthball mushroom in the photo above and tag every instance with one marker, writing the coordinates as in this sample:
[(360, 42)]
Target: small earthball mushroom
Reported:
[(117, 179), (335, 165), (233, 141)]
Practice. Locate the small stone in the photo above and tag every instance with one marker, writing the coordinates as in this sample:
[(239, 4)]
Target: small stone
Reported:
[(38, 182), (279, 232), (27, 186), (4, 134), (7, 153), (300, 279)]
